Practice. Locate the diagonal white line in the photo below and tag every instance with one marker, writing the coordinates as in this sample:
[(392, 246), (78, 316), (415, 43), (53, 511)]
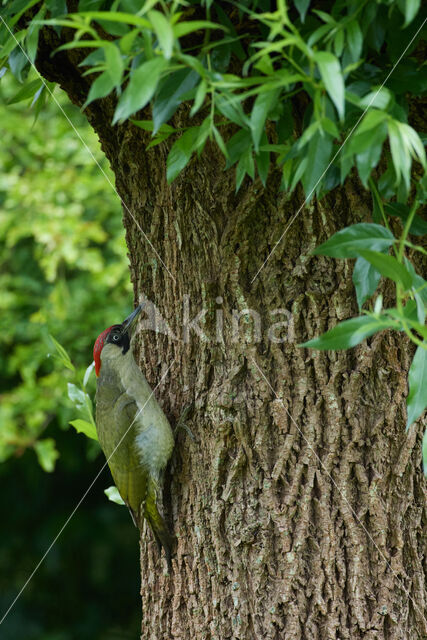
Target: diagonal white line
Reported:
[(86, 146), (341, 494), (294, 217), (82, 498)]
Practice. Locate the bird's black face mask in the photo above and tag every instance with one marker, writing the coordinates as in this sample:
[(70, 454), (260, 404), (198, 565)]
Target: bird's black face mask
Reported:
[(119, 337)]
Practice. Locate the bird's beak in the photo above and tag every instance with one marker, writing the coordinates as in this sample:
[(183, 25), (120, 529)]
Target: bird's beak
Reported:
[(130, 322)]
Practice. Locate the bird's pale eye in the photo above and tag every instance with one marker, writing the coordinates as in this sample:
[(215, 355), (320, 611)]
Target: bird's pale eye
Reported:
[(116, 338)]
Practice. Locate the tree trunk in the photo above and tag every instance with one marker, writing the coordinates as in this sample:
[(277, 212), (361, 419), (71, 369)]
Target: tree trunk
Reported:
[(298, 506)]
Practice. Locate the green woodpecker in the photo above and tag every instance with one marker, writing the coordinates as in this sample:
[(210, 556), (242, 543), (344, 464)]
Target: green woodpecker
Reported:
[(133, 431)]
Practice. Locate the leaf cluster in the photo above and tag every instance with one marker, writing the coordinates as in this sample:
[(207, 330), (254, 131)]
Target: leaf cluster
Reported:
[(315, 93), (369, 244)]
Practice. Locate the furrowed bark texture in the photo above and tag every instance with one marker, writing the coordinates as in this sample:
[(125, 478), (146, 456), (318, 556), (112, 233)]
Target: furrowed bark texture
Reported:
[(299, 505)]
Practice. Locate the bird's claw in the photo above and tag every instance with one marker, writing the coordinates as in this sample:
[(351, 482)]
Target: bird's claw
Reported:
[(181, 421)]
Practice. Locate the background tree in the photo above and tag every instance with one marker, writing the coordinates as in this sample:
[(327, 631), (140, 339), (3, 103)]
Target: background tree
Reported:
[(298, 507)]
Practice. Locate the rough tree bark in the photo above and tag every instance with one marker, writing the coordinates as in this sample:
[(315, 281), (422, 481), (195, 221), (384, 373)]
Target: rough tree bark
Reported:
[(299, 506)]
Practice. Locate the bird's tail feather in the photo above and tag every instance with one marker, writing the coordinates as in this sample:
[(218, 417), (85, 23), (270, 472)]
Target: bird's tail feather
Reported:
[(157, 524)]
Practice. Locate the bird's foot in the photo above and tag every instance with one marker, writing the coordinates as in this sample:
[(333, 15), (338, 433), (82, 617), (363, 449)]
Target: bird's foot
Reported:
[(181, 421)]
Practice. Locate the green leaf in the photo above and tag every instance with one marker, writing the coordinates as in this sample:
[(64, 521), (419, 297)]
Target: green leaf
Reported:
[(308, 135), (220, 57), (81, 44), (320, 33), (379, 98), (377, 204), (421, 306), (339, 43), (232, 110), (285, 124), (184, 28), (33, 35), (113, 494), (319, 154), (372, 131), (349, 242), (77, 396), (62, 354), (113, 16), (330, 127), (422, 189), (346, 163), (349, 333), (202, 136), (158, 139), (181, 152), (88, 373), (409, 8), (262, 106), (418, 226), (399, 153), (355, 40), (372, 119), (365, 280), (410, 315), (419, 289), (169, 95), (302, 6), (101, 87), (141, 88), (417, 398), (298, 172), (83, 426), (46, 453), (193, 63), (148, 125), (28, 91), (114, 28), (244, 166), (56, 7), (17, 62), (15, 8), (367, 161), (40, 100), (199, 98), (12, 42), (263, 160), (237, 146), (326, 17), (389, 267), (126, 42), (408, 78), (220, 142), (410, 311), (419, 285), (412, 142), (163, 31), (115, 64), (330, 71)]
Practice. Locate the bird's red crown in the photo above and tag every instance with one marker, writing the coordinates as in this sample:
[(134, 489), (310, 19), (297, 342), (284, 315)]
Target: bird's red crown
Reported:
[(97, 348)]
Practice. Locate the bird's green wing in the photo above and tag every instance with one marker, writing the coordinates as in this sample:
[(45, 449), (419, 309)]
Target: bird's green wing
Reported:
[(118, 444)]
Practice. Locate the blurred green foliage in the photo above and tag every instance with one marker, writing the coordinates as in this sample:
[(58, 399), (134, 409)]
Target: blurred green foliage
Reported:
[(63, 268), (63, 271), (346, 71)]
